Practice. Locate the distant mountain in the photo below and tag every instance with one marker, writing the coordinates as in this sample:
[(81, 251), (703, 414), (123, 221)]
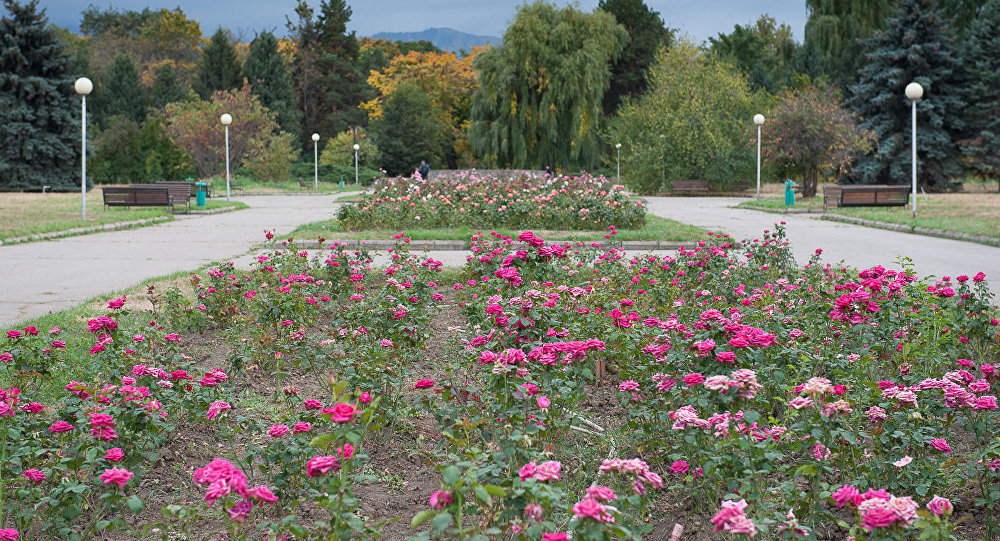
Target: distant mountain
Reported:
[(444, 38)]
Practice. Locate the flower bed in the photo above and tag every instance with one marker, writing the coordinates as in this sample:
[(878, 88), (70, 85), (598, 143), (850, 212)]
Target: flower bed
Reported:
[(555, 389), (523, 200)]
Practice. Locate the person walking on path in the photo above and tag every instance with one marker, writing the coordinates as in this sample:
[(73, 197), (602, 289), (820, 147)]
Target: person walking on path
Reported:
[(424, 169)]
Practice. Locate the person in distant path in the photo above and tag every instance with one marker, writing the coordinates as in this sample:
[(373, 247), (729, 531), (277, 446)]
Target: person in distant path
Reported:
[(549, 171), (424, 169)]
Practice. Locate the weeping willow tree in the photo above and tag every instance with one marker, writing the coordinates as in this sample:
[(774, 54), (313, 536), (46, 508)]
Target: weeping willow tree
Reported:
[(837, 28), (540, 94)]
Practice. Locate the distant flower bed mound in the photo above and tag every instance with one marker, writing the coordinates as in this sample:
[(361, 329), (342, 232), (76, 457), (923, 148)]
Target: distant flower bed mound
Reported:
[(518, 200)]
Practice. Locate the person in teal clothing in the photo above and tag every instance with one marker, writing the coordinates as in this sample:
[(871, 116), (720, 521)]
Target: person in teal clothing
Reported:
[(424, 169)]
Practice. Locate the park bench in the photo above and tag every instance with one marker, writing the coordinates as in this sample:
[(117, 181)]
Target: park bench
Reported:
[(137, 196), (870, 195), (180, 191), (689, 186)]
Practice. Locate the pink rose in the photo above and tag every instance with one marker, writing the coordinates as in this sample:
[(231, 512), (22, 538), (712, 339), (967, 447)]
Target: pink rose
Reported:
[(341, 413), (33, 475), (117, 476), (940, 506), (277, 431), (543, 401), (440, 499), (424, 383), (558, 536), (115, 454), (319, 465)]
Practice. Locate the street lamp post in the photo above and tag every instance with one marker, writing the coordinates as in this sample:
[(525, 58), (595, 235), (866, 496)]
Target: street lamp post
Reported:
[(227, 119), (315, 139), (618, 147), (663, 164), (357, 147), (914, 92), (758, 119), (83, 87)]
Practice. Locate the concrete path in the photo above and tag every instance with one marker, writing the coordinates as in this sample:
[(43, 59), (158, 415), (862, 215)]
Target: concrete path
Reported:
[(856, 245), (54, 275)]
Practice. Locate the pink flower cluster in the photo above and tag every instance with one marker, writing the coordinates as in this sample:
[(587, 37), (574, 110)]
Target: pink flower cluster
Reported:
[(732, 518), (222, 479), (636, 467), (546, 471), (879, 509)]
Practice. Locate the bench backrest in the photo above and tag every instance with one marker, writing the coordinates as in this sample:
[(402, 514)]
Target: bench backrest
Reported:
[(874, 195), (148, 195), (181, 191), (690, 185)]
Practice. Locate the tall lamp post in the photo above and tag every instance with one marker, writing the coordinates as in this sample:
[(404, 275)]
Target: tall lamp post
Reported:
[(914, 92), (758, 119), (618, 147), (315, 139), (227, 119), (663, 164), (83, 87), (357, 147)]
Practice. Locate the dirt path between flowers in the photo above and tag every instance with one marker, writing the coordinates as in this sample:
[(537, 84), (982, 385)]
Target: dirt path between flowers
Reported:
[(856, 245)]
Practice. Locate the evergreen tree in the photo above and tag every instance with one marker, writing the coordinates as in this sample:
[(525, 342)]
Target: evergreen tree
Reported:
[(269, 78), (219, 68), (39, 112), (327, 79), (915, 46), (120, 94), (540, 94), (405, 134), (646, 35), (165, 89), (837, 28), (982, 62)]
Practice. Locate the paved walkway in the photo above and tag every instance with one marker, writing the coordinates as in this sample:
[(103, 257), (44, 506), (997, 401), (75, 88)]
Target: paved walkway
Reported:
[(58, 274), (54, 275), (856, 245)]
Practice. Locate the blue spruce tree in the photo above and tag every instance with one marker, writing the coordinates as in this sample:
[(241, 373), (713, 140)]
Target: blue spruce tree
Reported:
[(39, 133), (916, 45)]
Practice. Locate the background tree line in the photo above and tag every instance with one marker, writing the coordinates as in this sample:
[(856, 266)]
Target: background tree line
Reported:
[(564, 87)]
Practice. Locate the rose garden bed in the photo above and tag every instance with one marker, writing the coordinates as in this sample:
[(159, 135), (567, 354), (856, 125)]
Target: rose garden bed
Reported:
[(562, 388)]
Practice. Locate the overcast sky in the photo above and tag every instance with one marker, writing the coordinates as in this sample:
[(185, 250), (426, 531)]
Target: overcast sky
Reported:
[(698, 18)]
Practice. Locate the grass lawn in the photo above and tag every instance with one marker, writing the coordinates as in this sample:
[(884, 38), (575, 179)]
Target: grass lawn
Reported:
[(23, 214), (656, 228), (971, 213)]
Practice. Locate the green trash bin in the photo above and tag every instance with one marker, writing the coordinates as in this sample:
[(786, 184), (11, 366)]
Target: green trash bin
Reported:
[(200, 193)]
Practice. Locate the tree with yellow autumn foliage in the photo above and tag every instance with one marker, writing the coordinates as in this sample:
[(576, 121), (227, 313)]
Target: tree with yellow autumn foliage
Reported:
[(447, 79)]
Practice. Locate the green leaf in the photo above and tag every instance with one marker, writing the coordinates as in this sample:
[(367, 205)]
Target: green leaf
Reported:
[(135, 504), (751, 416), (322, 441), (440, 521), (482, 494), (451, 475), (102, 525), (421, 517)]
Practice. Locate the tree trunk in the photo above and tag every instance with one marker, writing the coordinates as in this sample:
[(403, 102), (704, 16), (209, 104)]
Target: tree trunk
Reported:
[(810, 182)]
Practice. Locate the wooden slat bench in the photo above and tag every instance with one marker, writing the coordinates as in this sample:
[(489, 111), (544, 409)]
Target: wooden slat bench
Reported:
[(179, 191), (137, 196), (869, 195), (689, 186)]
